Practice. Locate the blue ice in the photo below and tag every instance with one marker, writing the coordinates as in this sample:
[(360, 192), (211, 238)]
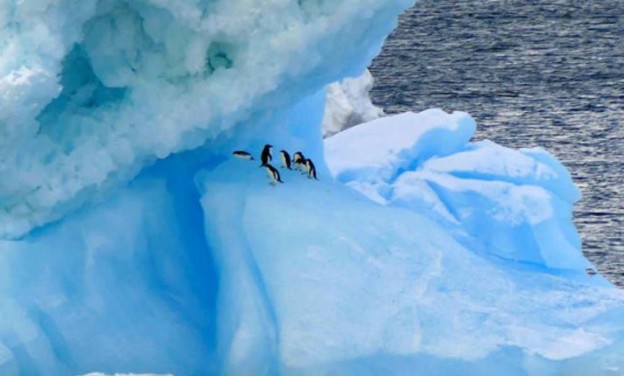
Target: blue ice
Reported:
[(133, 242)]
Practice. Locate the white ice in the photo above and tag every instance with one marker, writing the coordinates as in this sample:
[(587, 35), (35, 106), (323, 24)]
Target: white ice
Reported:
[(97, 90), (348, 103)]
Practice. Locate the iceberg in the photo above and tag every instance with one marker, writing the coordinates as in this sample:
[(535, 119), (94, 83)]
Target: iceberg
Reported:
[(134, 243)]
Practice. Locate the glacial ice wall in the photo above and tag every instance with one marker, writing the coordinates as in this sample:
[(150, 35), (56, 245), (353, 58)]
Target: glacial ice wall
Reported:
[(94, 90)]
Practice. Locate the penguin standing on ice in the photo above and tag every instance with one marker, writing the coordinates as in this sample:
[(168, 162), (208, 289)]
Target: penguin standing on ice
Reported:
[(299, 161), (285, 159), (311, 169), (273, 174), (243, 155), (266, 156)]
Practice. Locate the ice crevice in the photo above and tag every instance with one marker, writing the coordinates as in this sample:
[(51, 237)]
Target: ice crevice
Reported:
[(247, 322)]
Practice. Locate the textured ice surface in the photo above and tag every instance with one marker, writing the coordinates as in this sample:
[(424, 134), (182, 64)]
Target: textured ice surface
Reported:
[(513, 204), (348, 104), (118, 118), (95, 90), (381, 287), (124, 287)]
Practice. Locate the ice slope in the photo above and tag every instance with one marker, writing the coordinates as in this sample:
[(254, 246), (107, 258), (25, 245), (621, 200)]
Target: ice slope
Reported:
[(512, 204), (327, 282)]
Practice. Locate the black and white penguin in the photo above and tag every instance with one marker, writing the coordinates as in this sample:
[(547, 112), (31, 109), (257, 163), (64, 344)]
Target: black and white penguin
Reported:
[(311, 169), (243, 155), (299, 161), (273, 174), (298, 157), (266, 156), (285, 159)]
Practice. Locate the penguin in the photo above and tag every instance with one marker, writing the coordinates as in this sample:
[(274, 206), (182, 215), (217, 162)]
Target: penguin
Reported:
[(266, 156), (273, 174), (298, 157), (285, 159), (311, 169), (299, 161), (243, 155)]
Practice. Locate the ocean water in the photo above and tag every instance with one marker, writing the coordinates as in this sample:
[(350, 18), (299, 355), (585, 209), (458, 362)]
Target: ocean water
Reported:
[(546, 73)]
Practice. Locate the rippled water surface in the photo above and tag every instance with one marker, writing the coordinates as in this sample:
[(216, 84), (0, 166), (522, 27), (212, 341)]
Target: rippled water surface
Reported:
[(544, 73)]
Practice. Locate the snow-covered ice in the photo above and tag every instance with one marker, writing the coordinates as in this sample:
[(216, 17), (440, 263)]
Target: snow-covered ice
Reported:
[(133, 242), (95, 90), (349, 103)]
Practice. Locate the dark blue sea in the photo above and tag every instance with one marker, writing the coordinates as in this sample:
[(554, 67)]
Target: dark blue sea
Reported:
[(546, 73)]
